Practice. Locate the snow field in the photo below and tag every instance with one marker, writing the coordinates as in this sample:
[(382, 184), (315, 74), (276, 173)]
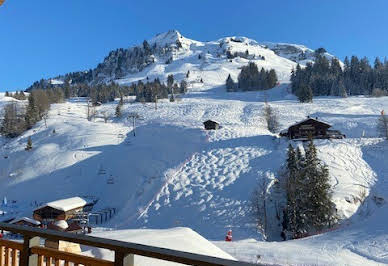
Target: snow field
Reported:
[(173, 173)]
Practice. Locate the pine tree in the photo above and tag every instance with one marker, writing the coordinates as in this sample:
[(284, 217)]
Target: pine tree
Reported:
[(304, 93), (118, 110), (31, 112), (230, 84), (382, 125), (183, 86), (319, 207), (290, 213), (170, 81), (29, 144), (121, 102), (272, 79), (271, 118)]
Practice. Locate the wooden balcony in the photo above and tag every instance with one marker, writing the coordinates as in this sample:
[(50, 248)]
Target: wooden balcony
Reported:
[(31, 253)]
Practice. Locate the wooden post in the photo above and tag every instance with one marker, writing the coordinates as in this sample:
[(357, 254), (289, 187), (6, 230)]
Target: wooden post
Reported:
[(122, 259), (2, 250), (26, 258)]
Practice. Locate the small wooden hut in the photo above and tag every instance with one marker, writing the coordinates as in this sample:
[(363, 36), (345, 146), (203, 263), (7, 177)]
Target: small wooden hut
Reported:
[(25, 221), (64, 209), (211, 125), (311, 127)]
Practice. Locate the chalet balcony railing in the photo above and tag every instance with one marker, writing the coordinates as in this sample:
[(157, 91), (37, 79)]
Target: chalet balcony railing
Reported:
[(31, 253)]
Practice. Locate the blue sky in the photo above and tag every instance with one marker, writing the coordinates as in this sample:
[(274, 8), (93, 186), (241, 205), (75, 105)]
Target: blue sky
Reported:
[(44, 38)]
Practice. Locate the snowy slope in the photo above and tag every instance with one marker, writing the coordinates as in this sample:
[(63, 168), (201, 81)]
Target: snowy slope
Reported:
[(175, 174), (295, 52), (213, 67), (211, 61)]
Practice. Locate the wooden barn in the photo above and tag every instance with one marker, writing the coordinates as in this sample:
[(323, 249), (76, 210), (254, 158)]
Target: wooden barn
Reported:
[(64, 209), (25, 221), (311, 127), (211, 125)]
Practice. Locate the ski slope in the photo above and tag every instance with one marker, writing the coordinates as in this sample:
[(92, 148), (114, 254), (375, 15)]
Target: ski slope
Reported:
[(174, 174)]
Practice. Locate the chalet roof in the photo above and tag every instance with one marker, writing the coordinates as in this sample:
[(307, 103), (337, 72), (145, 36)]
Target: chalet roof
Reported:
[(66, 204), (211, 121), (310, 119), (25, 219)]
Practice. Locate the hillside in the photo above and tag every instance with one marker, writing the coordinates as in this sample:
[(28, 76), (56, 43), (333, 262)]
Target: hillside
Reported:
[(173, 173), (171, 53)]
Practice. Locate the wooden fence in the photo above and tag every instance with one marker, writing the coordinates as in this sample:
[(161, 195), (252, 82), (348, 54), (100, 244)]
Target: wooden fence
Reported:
[(31, 253)]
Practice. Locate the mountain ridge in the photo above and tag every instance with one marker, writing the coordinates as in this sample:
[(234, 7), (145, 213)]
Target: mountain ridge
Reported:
[(171, 53)]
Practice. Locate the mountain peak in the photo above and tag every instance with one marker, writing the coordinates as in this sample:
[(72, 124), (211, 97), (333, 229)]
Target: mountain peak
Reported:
[(168, 37)]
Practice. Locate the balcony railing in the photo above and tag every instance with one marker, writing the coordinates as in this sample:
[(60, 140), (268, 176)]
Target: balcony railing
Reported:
[(31, 253)]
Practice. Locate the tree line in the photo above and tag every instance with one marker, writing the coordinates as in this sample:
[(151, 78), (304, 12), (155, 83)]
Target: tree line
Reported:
[(117, 64), (154, 90), (17, 95), (329, 78), (17, 118), (251, 79)]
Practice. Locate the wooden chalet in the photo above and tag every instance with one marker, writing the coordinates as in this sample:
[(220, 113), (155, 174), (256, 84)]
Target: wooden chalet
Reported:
[(211, 125), (311, 127), (64, 209), (25, 221)]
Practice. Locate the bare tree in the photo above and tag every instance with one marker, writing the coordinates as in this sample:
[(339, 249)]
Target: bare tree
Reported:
[(105, 116), (382, 125), (91, 111), (45, 117), (134, 117), (271, 118), (259, 205)]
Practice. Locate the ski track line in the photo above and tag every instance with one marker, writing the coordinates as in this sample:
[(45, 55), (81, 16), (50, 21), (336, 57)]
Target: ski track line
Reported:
[(166, 183)]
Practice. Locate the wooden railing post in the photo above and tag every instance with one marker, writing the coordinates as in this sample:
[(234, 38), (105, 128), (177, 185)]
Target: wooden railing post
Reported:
[(26, 258), (122, 259)]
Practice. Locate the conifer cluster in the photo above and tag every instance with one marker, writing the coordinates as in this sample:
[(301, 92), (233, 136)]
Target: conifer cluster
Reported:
[(251, 79), (309, 207), (17, 119), (324, 78)]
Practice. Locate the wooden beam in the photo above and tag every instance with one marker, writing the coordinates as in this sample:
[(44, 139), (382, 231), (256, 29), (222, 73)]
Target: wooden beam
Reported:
[(11, 244), (70, 257)]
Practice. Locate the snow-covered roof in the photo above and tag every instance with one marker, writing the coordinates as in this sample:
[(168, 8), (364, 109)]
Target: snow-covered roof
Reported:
[(66, 204), (61, 224), (25, 219)]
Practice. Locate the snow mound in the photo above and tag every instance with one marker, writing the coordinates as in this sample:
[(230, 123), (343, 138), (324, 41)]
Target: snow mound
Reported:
[(182, 239)]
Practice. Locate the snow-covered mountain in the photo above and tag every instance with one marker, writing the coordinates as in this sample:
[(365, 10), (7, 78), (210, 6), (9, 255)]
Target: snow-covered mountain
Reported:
[(175, 174), (171, 53)]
